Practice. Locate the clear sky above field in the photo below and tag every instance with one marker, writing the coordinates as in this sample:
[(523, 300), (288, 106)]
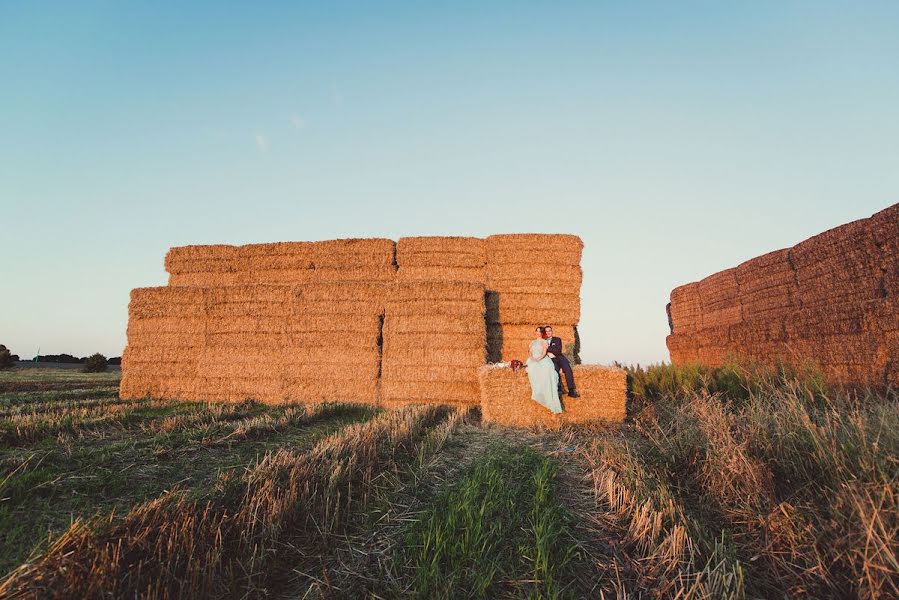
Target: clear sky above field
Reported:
[(676, 139)]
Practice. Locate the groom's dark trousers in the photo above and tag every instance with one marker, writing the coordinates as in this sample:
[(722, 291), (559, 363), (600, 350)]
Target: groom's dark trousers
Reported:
[(561, 362)]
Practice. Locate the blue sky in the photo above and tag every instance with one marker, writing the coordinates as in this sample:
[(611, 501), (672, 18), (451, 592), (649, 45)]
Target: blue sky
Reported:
[(676, 139)]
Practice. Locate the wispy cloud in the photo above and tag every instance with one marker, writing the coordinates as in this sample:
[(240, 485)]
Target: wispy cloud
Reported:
[(261, 142), (297, 122)]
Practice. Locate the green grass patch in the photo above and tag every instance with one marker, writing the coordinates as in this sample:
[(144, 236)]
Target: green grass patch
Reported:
[(500, 530)]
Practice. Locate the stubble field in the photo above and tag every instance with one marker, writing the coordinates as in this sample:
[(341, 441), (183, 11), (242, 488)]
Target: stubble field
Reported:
[(732, 483)]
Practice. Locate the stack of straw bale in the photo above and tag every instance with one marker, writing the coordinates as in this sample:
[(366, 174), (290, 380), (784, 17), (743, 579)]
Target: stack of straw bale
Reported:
[(441, 259), (166, 334), (272, 343), (335, 352), (831, 300), (532, 280), (434, 339), (347, 260), (506, 397)]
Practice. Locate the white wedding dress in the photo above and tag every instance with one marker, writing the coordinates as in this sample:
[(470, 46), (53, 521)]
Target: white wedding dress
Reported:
[(543, 377)]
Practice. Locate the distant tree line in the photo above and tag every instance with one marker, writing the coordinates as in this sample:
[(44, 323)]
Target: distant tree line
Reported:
[(8, 359)]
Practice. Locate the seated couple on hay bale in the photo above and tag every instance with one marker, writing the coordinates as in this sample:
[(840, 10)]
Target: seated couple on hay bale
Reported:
[(544, 361)]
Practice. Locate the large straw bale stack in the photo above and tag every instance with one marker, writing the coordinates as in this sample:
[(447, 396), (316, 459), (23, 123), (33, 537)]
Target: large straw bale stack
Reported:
[(272, 343), (532, 280), (832, 300), (434, 339), (506, 397)]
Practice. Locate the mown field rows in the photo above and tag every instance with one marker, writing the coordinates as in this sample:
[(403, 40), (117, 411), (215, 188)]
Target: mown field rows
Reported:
[(726, 483)]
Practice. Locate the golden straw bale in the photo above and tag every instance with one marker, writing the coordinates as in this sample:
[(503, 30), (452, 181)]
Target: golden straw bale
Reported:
[(556, 258), (407, 273), (248, 340), (343, 291), (547, 274), (440, 244), (466, 356), (206, 265), (394, 371), (529, 241), (358, 366), (334, 324), (435, 290), (315, 391), (247, 324), (184, 368), (163, 295), (260, 293), (156, 353), (506, 397), (201, 252), (442, 343), (176, 341), (428, 391), (452, 308), (533, 308), (183, 325), (434, 324), (363, 306), (249, 309), (449, 260), (527, 286), (205, 279)]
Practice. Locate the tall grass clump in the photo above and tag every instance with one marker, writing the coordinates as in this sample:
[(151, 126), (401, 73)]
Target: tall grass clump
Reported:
[(231, 543), (790, 486)]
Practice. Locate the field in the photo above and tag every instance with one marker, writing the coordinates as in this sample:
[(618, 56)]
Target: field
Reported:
[(737, 482)]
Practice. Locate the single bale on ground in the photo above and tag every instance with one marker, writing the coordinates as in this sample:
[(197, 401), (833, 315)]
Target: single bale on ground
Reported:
[(506, 397)]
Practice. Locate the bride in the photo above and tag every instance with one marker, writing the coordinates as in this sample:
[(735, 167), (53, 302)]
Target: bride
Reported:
[(543, 375)]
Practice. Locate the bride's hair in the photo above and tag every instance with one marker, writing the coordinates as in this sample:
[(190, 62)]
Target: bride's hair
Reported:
[(541, 331)]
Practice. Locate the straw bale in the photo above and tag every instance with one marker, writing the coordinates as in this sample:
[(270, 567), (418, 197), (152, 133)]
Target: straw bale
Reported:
[(201, 252), (358, 367), (429, 391), (533, 308), (363, 306), (435, 290), (184, 368), (451, 308), (556, 258), (440, 244), (183, 325), (407, 273), (248, 340), (166, 339), (238, 389), (315, 391), (442, 343), (145, 353), (337, 324), (827, 319), (469, 355), (506, 397), (527, 286), (206, 265), (545, 274), (162, 295), (884, 315), (434, 324), (258, 293), (247, 324), (450, 260), (343, 291), (529, 241), (395, 371), (205, 279)]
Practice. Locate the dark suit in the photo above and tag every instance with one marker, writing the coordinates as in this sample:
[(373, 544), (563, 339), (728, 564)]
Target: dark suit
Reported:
[(561, 362)]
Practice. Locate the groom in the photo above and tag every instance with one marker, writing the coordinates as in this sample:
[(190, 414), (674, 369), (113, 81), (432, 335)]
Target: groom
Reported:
[(561, 362)]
